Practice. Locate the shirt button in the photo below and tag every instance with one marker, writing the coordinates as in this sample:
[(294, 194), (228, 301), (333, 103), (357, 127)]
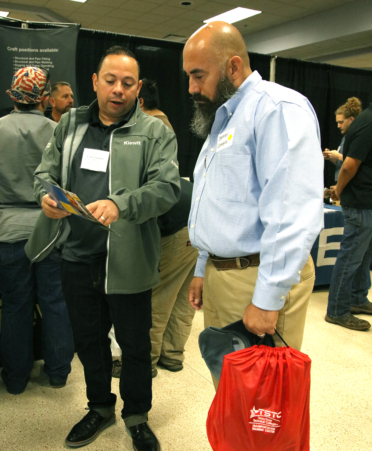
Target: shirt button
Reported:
[(230, 114), (212, 149), (204, 174), (192, 226), (282, 297), (197, 199), (299, 272)]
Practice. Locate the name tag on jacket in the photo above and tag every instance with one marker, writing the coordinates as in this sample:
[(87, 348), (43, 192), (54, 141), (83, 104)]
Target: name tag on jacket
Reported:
[(95, 160)]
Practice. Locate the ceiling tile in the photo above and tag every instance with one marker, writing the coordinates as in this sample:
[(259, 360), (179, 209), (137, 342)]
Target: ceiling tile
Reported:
[(63, 4), (153, 18), (213, 8), (83, 18), (136, 5), (124, 14), (109, 3), (291, 10), (169, 11), (195, 15), (94, 9)]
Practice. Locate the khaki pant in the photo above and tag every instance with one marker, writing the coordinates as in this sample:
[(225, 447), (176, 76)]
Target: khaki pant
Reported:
[(172, 314), (226, 295)]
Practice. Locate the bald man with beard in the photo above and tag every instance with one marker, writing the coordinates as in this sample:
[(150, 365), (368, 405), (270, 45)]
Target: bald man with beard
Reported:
[(257, 203)]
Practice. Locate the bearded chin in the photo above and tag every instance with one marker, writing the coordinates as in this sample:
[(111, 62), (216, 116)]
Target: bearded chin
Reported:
[(201, 124), (204, 114)]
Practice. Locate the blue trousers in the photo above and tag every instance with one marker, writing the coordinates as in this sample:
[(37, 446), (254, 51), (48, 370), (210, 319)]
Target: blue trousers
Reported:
[(351, 279), (20, 286)]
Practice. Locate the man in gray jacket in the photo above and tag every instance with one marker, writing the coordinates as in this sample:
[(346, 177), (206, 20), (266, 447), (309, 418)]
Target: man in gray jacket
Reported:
[(123, 165), (24, 134)]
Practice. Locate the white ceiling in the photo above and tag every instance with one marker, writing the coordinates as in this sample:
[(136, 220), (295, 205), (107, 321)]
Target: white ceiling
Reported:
[(331, 31)]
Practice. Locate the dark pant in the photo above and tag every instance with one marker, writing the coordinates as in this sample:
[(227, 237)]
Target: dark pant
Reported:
[(92, 312), (351, 279), (20, 285)]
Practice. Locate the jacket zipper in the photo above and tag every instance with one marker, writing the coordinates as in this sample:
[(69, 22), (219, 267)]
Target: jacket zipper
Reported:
[(45, 248)]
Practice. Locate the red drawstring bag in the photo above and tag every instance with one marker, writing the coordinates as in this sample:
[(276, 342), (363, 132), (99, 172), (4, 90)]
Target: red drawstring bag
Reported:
[(262, 401)]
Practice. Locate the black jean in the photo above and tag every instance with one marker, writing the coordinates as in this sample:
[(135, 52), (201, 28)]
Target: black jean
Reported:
[(92, 312)]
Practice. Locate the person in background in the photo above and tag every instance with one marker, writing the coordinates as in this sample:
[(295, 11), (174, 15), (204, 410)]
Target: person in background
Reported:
[(345, 115), (25, 133), (61, 100), (351, 279), (149, 101), (257, 204)]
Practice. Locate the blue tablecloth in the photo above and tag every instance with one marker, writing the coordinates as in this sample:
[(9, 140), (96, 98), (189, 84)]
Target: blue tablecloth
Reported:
[(327, 245)]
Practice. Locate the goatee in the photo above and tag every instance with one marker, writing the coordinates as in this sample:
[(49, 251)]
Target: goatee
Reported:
[(204, 114)]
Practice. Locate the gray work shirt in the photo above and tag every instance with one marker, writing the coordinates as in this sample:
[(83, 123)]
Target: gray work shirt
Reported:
[(24, 135)]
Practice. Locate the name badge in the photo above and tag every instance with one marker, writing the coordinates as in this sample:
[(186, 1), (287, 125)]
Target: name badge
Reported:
[(225, 139), (95, 160)]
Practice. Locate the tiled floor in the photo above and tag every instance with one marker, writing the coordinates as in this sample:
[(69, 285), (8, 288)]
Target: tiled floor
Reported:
[(341, 398)]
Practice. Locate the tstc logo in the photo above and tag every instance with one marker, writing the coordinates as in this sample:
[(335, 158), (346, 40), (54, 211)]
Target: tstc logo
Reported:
[(265, 414)]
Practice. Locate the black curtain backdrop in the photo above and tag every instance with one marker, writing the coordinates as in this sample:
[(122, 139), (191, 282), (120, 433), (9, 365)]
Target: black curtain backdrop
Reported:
[(327, 87)]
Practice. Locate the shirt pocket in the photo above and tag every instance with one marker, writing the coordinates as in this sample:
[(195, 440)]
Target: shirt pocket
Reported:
[(230, 177)]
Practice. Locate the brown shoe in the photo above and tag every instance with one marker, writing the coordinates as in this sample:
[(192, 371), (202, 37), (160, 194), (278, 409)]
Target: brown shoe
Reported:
[(364, 308), (350, 322)]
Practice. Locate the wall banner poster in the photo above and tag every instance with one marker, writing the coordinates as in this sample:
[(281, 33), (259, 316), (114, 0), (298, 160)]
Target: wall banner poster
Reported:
[(53, 49)]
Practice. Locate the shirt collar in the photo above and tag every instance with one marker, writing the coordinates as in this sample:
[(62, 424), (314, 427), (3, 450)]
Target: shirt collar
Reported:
[(95, 120), (249, 83), (38, 112)]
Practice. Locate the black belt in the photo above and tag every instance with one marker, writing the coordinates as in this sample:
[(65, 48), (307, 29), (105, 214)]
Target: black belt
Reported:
[(224, 264)]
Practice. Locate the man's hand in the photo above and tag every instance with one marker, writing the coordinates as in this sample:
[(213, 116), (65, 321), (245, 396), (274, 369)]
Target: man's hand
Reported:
[(105, 211), (332, 155), (51, 210), (334, 193), (260, 321), (196, 293)]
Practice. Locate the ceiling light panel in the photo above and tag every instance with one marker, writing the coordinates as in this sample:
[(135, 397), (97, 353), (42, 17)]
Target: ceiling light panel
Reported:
[(234, 15)]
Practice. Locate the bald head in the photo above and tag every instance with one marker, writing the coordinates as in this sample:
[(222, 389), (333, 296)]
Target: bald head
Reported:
[(219, 41), (217, 63)]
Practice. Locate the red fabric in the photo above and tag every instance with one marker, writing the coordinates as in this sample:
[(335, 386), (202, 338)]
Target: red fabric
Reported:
[(262, 401)]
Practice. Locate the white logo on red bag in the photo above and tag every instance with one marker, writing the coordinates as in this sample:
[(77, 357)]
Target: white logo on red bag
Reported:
[(265, 420)]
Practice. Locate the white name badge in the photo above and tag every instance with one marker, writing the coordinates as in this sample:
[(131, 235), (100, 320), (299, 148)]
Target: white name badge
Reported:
[(225, 139), (95, 160)]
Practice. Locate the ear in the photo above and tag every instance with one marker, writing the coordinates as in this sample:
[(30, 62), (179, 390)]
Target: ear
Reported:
[(235, 67), (139, 87), (52, 102), (94, 79), (140, 101), (352, 118)]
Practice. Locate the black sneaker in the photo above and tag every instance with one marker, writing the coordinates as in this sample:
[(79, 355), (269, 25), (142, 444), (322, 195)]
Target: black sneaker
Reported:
[(350, 322), (56, 382), (143, 438), (88, 429)]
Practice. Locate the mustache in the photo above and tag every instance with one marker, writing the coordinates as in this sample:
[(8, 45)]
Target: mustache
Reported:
[(200, 98)]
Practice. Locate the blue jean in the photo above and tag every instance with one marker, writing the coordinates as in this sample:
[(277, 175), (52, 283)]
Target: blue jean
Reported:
[(351, 275), (21, 285)]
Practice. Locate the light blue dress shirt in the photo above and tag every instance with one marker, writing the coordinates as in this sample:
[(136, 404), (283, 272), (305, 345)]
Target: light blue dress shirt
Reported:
[(258, 186)]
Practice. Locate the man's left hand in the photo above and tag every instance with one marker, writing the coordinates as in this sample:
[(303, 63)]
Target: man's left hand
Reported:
[(260, 321), (105, 211), (334, 193)]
